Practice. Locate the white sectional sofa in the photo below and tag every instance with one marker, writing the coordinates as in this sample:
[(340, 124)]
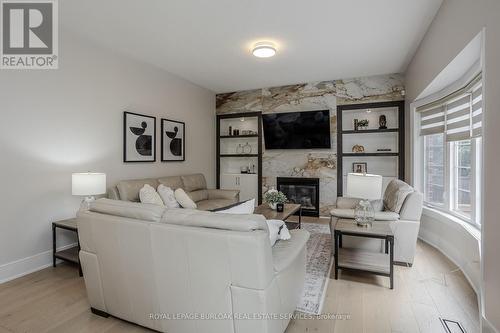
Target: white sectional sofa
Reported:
[(169, 269)]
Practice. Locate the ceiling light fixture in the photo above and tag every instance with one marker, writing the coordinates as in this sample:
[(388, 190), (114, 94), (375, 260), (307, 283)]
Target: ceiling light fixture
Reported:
[(264, 50)]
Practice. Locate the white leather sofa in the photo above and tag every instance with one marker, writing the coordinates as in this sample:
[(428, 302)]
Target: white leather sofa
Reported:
[(405, 223), (168, 270), (195, 186)]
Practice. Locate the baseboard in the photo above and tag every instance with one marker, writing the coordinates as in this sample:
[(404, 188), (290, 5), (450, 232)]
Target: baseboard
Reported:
[(21, 267)]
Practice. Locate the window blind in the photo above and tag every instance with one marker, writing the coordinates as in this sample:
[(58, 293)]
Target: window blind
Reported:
[(458, 115)]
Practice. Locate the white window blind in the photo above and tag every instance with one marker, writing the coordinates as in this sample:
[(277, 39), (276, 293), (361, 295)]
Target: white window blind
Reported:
[(458, 115)]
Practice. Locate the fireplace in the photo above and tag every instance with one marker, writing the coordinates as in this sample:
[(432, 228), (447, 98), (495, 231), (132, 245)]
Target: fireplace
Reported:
[(304, 191)]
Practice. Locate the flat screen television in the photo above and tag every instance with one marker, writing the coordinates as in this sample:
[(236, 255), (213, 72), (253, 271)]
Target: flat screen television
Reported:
[(297, 130)]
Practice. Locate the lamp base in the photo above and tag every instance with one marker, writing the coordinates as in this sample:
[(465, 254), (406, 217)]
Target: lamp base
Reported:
[(85, 205)]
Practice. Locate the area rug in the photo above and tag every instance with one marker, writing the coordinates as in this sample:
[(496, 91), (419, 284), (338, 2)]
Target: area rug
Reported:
[(319, 264)]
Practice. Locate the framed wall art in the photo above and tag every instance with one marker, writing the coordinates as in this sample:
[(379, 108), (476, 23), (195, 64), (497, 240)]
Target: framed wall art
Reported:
[(359, 167), (173, 140), (139, 138)]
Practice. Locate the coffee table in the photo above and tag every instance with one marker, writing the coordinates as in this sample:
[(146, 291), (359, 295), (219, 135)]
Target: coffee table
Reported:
[(289, 210), (361, 260)]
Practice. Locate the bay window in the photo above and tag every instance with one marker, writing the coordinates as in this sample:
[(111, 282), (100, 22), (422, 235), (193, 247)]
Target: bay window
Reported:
[(451, 141)]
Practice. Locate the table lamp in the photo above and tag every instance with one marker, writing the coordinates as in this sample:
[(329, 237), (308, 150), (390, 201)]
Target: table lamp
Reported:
[(88, 184), (365, 187)]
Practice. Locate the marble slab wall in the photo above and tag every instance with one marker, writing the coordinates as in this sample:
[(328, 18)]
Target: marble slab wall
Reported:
[(323, 95)]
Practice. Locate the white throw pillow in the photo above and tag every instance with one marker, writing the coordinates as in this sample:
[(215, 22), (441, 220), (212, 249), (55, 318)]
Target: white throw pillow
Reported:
[(274, 230), (148, 195), (284, 233), (168, 196), (246, 207), (184, 200)]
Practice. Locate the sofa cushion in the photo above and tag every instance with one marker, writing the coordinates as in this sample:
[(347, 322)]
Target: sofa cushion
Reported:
[(213, 204), (346, 213), (167, 196), (395, 195), (194, 182), (183, 199), (133, 210), (285, 252), (174, 182), (198, 195), (198, 218), (129, 189), (148, 195)]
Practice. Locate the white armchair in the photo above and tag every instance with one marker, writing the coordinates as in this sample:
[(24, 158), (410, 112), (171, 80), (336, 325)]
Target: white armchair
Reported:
[(406, 205)]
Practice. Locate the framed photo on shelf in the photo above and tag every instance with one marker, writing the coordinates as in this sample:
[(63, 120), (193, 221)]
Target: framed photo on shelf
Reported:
[(359, 167), (173, 140), (139, 138)]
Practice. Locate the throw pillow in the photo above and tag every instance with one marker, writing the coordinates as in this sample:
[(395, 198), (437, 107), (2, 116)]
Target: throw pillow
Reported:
[(274, 230), (284, 233), (395, 195), (184, 200), (246, 207), (148, 195), (168, 196)]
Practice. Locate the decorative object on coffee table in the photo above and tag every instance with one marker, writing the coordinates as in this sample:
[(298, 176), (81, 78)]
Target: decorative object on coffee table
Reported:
[(359, 167), (139, 138), (382, 122), (280, 207), (361, 260), (70, 254), (274, 197), (288, 210), (173, 140), (358, 149)]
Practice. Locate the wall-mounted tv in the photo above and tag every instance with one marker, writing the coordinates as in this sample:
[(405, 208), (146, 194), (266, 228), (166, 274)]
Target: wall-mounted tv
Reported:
[(297, 130)]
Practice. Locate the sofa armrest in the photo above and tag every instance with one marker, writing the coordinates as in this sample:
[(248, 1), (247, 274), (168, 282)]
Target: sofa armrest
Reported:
[(412, 207), (113, 193), (347, 203), (224, 194), (405, 235)]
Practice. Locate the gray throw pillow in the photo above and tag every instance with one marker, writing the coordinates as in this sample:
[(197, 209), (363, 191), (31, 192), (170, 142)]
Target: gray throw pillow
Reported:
[(395, 195)]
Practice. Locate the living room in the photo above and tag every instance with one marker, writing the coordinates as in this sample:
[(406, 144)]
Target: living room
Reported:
[(249, 166)]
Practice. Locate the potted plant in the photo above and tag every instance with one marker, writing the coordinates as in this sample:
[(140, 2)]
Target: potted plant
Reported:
[(274, 197)]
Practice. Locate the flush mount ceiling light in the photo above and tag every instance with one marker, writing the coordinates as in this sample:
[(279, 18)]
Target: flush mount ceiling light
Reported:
[(264, 50)]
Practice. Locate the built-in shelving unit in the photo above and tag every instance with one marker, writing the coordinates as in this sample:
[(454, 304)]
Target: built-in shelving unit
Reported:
[(230, 158), (389, 164)]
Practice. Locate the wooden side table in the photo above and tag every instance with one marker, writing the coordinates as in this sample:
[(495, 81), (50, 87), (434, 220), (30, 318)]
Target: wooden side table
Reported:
[(71, 254)]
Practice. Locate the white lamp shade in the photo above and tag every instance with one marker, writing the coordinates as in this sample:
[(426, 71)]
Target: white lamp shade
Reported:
[(364, 186), (88, 183)]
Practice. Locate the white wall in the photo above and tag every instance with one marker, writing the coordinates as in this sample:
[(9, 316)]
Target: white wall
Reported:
[(69, 120), (455, 25)]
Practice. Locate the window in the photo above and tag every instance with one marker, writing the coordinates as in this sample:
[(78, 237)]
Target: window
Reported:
[(451, 140)]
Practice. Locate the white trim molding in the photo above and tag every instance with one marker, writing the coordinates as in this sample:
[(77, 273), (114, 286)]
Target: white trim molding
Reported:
[(21, 267)]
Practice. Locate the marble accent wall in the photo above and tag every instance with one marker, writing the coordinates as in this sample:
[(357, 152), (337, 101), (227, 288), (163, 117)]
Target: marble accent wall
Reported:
[(323, 95)]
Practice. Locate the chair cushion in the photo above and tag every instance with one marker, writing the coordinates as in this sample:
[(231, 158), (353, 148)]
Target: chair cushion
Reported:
[(395, 195), (213, 204), (133, 210), (194, 182), (285, 252), (174, 182), (129, 189), (379, 216), (198, 195)]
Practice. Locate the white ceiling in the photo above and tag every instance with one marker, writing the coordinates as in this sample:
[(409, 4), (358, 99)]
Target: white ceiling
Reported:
[(208, 42)]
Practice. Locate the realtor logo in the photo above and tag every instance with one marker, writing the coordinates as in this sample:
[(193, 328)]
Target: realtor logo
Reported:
[(29, 38)]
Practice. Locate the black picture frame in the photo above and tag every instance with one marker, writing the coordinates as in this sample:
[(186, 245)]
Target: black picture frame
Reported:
[(171, 157), (363, 165), (128, 140)]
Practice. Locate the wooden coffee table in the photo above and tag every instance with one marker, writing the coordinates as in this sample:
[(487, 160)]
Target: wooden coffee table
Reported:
[(361, 260), (289, 210)]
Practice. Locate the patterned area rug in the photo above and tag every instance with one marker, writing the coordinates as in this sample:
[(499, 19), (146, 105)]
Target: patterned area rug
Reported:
[(319, 264)]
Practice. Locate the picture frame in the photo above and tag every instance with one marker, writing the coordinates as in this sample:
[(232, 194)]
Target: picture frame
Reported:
[(359, 167), (139, 137), (173, 140)]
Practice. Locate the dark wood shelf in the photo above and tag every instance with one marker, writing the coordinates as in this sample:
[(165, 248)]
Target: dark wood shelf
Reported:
[(371, 154), (239, 136), (70, 254), (239, 155), (374, 130)]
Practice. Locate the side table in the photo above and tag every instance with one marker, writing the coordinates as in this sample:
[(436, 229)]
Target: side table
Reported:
[(71, 254)]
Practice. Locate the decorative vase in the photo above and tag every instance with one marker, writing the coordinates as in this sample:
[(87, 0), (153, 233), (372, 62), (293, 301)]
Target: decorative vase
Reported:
[(272, 205), (280, 207), (364, 213)]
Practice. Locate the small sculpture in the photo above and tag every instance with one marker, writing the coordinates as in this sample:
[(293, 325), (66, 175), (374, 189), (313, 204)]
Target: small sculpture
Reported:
[(382, 122), (358, 149)]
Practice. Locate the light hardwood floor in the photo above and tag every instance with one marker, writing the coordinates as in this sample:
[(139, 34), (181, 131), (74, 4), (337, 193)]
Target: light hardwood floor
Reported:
[(54, 300)]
